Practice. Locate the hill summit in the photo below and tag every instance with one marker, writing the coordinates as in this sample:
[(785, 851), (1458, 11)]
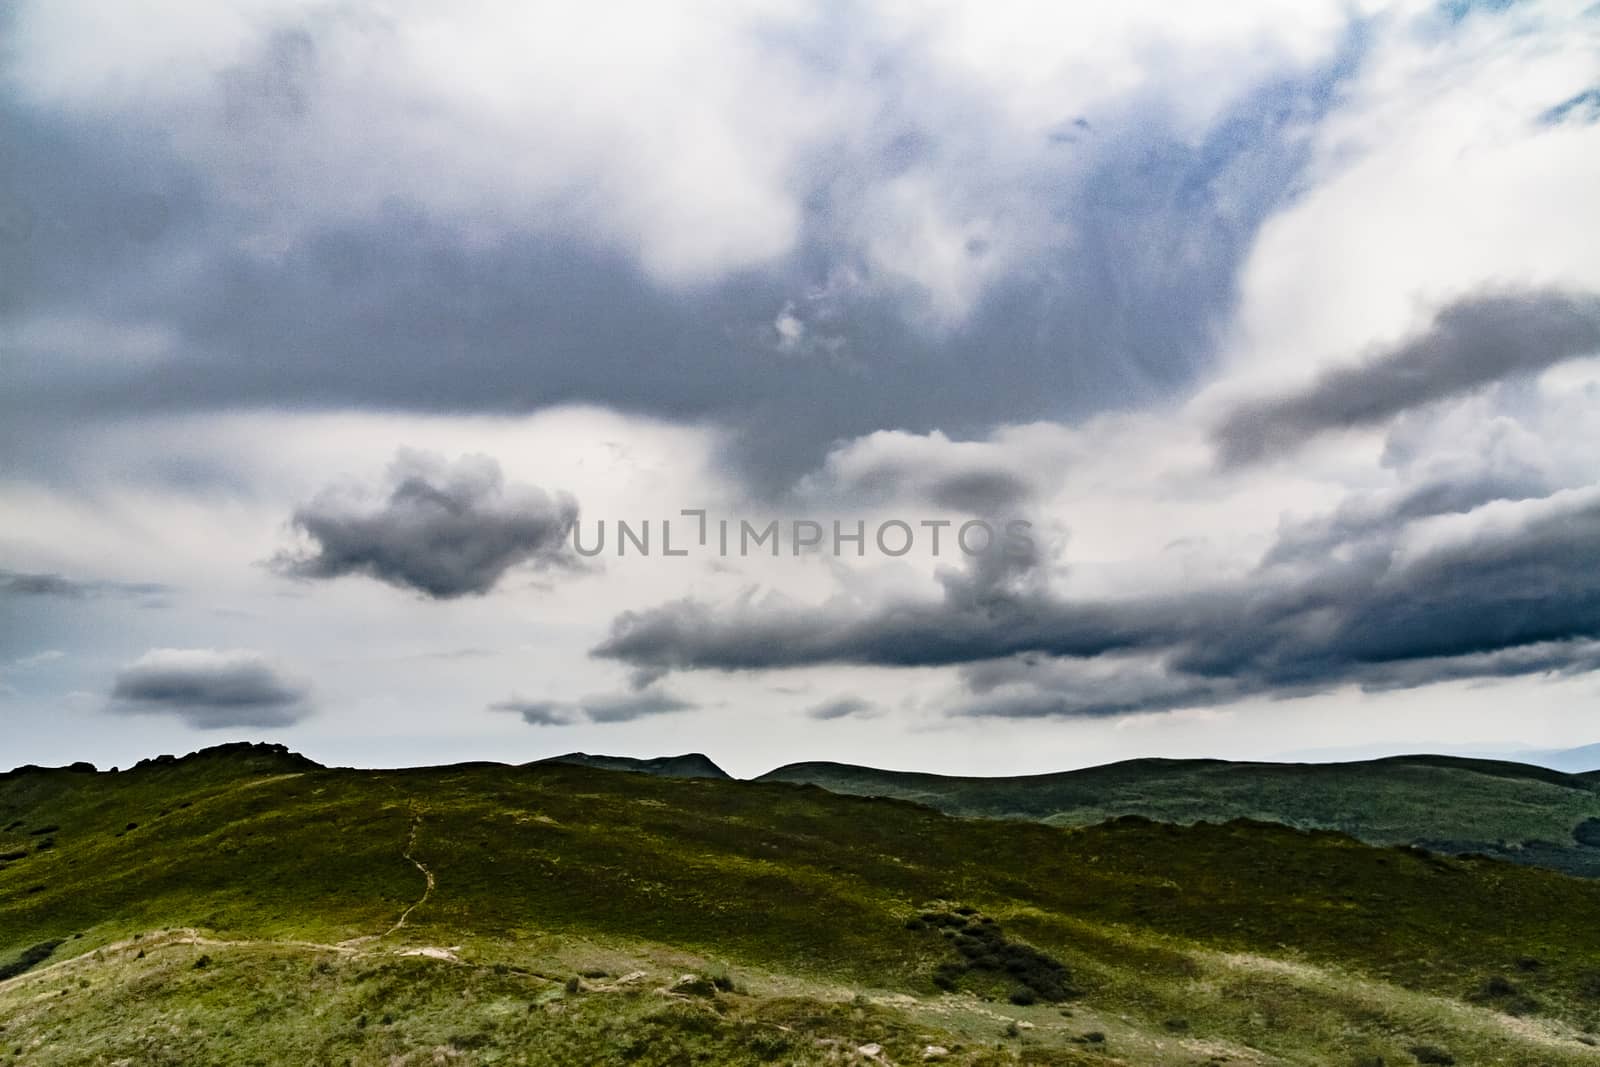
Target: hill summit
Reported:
[(688, 765)]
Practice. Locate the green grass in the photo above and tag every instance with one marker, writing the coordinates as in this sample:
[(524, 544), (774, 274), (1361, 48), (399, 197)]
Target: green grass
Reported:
[(1262, 941), (1513, 811)]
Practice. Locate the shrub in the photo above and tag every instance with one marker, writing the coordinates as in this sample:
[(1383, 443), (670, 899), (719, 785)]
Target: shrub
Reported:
[(770, 1046), (1587, 832), (30, 958), (986, 950), (1432, 1054), (1499, 985)]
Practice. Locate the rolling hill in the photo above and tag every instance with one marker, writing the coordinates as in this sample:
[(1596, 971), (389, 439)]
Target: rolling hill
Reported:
[(689, 765), (1513, 811), (247, 906)]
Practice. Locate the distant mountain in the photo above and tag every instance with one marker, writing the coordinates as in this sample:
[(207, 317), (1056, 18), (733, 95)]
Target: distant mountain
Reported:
[(1514, 811), (1582, 760), (689, 765)]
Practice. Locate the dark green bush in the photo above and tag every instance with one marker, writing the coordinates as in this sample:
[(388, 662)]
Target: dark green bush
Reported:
[(30, 958)]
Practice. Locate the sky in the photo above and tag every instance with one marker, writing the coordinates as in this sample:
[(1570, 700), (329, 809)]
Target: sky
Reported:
[(1166, 380)]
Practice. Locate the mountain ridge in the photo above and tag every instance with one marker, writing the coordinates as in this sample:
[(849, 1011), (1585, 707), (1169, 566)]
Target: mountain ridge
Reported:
[(239, 908), (1523, 813)]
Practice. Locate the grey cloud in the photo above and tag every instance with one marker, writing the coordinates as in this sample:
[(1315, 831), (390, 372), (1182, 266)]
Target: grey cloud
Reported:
[(1028, 687), (599, 708), (23, 583), (842, 708), (1378, 517), (443, 530), (16, 583), (538, 712), (1032, 687), (1111, 299), (981, 492), (1467, 604), (1470, 344), (209, 689), (627, 707), (938, 475)]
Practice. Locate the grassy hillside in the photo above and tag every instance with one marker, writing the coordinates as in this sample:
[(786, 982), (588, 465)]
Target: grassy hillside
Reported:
[(246, 907), (1514, 811)]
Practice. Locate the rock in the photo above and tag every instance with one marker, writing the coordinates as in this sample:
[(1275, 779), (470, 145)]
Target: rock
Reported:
[(871, 1049), (935, 1052), (695, 985)]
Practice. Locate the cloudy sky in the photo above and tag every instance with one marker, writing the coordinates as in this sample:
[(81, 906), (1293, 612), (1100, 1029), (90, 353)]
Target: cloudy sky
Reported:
[(326, 324)]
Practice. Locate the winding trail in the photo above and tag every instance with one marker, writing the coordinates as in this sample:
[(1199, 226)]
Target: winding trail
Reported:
[(411, 844), (427, 891)]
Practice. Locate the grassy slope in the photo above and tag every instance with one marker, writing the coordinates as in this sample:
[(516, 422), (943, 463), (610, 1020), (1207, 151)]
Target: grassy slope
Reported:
[(1248, 941), (1517, 812)]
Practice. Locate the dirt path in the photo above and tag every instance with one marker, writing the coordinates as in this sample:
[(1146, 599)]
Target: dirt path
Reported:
[(427, 890), (191, 936), (411, 844)]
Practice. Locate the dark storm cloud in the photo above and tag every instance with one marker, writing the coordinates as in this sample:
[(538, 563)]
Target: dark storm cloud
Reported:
[(209, 689), (398, 310), (442, 530), (601, 708), (1471, 343), (1470, 601)]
